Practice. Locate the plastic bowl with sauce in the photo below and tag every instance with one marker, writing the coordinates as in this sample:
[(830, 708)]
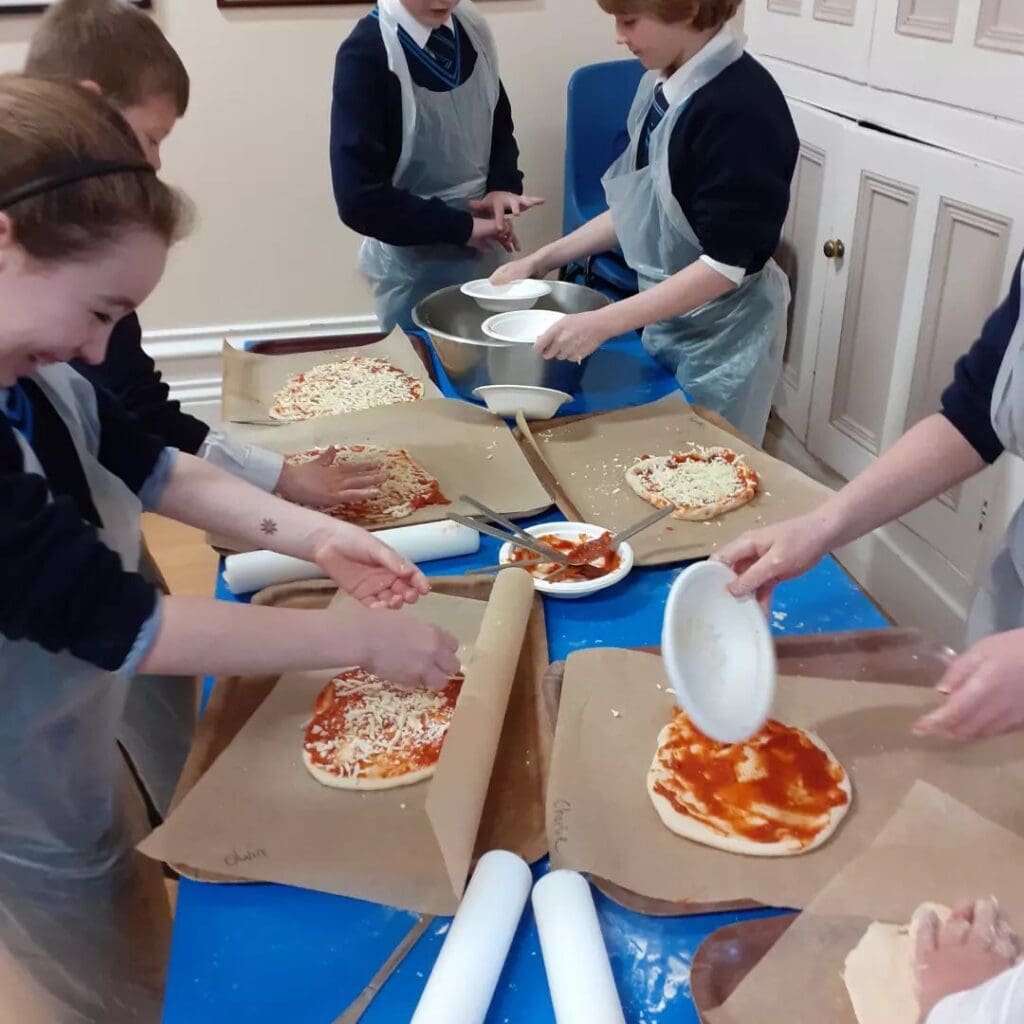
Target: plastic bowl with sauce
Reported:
[(609, 569)]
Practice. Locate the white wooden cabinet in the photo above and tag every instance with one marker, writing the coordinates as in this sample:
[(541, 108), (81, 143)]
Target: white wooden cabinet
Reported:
[(965, 53)]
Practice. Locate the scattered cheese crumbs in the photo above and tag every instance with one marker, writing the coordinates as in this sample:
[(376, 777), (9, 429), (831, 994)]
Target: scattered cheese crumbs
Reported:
[(616, 714), (668, 689)]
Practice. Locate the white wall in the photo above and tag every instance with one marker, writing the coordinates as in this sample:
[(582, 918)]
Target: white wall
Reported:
[(252, 151)]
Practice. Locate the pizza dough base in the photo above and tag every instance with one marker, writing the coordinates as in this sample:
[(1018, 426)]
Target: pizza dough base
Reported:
[(634, 477), (696, 831), (879, 971), (326, 778)]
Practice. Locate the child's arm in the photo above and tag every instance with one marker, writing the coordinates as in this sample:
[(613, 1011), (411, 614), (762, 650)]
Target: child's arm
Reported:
[(596, 236)]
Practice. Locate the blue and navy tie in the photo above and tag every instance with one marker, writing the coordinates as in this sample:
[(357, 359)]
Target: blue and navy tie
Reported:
[(659, 108), (444, 48), (18, 410)]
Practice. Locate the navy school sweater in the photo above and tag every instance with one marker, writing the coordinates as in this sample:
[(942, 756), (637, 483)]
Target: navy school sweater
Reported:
[(62, 587)]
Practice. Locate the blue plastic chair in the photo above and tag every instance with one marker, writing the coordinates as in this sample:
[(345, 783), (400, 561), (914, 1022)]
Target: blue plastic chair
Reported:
[(600, 96)]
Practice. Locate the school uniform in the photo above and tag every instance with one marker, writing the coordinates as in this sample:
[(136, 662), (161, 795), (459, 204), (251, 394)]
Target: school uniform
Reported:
[(79, 909), (420, 125), (985, 402), (160, 712), (707, 177)]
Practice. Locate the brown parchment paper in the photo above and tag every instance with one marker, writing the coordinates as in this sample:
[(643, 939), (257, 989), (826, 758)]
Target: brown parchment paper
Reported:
[(467, 449), (601, 820), (934, 848), (258, 815), (589, 457), (250, 380)]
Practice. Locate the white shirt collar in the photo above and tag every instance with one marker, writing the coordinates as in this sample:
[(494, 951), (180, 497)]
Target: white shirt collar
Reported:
[(675, 86), (419, 33)]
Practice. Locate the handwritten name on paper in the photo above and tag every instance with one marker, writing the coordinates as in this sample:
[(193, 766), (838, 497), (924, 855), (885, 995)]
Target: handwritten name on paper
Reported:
[(562, 809), (234, 858)]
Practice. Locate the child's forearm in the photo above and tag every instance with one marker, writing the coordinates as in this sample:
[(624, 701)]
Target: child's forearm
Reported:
[(596, 236)]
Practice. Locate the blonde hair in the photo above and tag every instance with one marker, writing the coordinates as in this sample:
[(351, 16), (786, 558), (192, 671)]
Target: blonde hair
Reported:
[(700, 14), (111, 43), (49, 130)]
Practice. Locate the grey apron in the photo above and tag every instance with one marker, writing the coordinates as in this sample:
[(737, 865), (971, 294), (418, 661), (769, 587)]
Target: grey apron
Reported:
[(81, 912), (999, 605), (446, 154), (727, 354)]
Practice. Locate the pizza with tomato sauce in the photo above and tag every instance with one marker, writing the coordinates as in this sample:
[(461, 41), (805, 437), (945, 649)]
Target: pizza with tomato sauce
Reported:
[(782, 792), (350, 385), (701, 483), (407, 487), (367, 733)]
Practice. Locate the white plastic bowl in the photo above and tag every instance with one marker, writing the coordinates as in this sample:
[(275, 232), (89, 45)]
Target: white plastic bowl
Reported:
[(718, 654), (504, 298), (582, 588), (522, 327), (507, 399)]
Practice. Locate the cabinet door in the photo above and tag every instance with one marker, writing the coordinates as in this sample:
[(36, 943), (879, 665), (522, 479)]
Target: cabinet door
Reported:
[(967, 53), (807, 227), (828, 35), (930, 240)]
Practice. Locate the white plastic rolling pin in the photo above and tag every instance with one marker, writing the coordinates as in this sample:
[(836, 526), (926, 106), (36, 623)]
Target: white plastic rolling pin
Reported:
[(575, 958), (461, 985), (423, 543)]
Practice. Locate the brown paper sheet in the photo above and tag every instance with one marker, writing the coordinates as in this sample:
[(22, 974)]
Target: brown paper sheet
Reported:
[(463, 446), (601, 820), (934, 848), (589, 457), (258, 815), (250, 380)]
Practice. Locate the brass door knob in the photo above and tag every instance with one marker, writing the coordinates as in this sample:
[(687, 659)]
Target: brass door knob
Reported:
[(834, 249)]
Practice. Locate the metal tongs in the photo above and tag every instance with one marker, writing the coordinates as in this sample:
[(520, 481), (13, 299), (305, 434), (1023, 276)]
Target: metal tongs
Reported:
[(519, 537), (525, 540)]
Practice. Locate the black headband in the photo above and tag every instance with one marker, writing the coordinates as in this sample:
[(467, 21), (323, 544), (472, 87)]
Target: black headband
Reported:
[(69, 176)]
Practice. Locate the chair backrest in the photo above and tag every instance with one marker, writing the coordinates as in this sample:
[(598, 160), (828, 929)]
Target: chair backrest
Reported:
[(600, 96)]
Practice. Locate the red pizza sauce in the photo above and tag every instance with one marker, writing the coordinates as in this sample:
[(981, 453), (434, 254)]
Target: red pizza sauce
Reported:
[(779, 768), (593, 569)]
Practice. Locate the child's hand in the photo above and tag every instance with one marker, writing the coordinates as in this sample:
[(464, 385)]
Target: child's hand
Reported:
[(498, 205), (487, 236), (518, 270), (985, 690), (972, 947), (324, 482)]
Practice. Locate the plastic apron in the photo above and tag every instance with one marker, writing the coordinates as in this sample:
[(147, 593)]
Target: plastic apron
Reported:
[(727, 354), (81, 912), (999, 605), (446, 154), (159, 720)]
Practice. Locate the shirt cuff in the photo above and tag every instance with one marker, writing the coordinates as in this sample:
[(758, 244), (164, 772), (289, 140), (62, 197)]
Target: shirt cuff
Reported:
[(734, 274), (255, 465), (143, 641), (152, 492)]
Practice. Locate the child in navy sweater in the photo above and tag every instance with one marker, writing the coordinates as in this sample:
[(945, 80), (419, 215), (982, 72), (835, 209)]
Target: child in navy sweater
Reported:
[(423, 152)]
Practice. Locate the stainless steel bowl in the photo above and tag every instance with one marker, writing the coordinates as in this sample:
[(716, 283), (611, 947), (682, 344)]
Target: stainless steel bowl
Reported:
[(473, 360)]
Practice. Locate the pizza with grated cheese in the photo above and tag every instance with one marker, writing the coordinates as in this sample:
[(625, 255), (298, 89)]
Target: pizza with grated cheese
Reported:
[(782, 792), (367, 733), (701, 483), (407, 487), (351, 385)]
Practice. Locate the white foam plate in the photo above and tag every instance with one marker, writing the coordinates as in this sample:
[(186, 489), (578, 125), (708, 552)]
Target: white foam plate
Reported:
[(507, 399), (522, 327), (718, 654), (503, 298), (582, 588)]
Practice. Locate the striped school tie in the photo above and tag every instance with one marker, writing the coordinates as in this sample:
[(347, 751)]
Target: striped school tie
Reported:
[(659, 108), (444, 48)]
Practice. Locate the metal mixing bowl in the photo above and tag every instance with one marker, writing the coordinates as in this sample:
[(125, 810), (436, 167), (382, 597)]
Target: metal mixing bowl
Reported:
[(473, 360)]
